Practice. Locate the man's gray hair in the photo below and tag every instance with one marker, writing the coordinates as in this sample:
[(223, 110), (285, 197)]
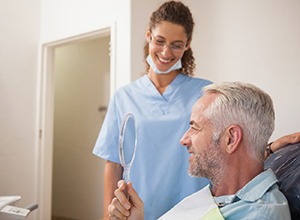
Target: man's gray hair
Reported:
[(247, 106)]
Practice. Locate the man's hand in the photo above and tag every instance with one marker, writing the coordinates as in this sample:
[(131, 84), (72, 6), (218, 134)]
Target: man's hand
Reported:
[(123, 208)]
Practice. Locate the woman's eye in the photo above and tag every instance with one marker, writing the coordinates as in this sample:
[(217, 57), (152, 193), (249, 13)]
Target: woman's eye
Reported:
[(161, 42), (177, 47)]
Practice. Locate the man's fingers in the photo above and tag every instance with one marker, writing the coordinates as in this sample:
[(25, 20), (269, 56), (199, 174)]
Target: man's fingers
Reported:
[(122, 196), (134, 197), (116, 210), (126, 203), (121, 184)]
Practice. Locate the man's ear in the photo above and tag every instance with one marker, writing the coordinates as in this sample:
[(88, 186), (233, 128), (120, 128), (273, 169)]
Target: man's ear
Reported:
[(234, 134)]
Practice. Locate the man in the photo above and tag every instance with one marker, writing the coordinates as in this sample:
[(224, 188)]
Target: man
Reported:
[(229, 129)]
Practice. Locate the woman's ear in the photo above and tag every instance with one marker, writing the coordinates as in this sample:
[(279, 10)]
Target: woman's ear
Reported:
[(148, 36), (234, 134), (188, 44)]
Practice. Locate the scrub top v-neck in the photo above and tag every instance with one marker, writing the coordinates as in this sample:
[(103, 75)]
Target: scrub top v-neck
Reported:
[(159, 171)]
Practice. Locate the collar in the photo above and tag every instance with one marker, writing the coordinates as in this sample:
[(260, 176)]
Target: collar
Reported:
[(176, 81), (257, 187), (252, 191)]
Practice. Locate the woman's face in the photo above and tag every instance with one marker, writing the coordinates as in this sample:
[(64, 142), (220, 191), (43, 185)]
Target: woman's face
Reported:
[(167, 44)]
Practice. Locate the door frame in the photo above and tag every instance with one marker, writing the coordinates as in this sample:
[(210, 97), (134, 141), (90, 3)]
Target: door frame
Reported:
[(46, 113)]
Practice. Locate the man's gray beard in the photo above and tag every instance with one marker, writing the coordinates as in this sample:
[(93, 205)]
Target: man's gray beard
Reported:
[(208, 165)]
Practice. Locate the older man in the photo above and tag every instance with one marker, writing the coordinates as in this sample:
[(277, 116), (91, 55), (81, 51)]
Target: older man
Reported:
[(229, 129)]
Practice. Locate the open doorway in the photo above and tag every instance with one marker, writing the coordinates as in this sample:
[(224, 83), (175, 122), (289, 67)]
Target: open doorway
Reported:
[(76, 87), (81, 72)]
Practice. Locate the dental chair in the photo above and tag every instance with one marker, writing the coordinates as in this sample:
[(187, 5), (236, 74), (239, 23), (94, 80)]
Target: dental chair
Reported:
[(10, 212), (285, 163)]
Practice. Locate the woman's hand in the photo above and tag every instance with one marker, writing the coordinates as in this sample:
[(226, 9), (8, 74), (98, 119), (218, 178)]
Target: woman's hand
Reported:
[(284, 141), (122, 208)]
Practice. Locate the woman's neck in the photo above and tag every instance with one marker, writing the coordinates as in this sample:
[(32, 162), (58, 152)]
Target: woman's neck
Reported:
[(162, 81)]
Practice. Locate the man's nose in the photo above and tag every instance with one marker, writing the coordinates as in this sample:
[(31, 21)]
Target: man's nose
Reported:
[(185, 139)]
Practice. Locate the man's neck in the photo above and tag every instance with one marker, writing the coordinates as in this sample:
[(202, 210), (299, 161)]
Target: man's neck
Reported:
[(234, 180)]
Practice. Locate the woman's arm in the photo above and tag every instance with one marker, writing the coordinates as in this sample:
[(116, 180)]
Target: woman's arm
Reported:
[(282, 142), (112, 174)]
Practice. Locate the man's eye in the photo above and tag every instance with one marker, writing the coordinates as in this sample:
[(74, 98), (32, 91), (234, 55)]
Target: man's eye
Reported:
[(196, 129)]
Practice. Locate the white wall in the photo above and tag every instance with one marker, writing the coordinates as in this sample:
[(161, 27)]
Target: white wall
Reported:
[(140, 13), (69, 18), (19, 38), (253, 41)]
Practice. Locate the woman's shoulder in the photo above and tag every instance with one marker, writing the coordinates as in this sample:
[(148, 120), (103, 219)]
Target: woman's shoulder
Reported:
[(130, 87), (198, 81)]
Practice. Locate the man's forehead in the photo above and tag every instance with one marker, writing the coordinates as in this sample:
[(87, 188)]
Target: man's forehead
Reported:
[(197, 112), (203, 102), (201, 105)]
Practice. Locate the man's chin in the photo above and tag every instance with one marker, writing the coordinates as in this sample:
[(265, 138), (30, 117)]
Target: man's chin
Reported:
[(192, 173)]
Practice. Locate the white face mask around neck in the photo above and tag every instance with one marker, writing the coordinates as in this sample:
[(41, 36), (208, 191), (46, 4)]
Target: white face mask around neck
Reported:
[(176, 66)]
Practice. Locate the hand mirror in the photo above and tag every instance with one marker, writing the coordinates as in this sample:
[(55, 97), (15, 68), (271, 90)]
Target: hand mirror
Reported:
[(127, 144)]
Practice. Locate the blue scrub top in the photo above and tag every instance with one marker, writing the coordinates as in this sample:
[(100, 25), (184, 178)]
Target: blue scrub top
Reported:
[(159, 171)]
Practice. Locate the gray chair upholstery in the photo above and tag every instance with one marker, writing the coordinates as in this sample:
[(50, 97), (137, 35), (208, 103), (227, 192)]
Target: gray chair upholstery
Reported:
[(286, 165)]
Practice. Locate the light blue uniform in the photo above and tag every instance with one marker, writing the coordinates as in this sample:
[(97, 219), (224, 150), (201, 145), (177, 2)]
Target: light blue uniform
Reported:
[(259, 199), (159, 171)]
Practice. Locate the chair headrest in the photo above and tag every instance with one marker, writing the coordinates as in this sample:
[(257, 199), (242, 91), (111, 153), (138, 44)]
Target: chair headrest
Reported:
[(285, 163)]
